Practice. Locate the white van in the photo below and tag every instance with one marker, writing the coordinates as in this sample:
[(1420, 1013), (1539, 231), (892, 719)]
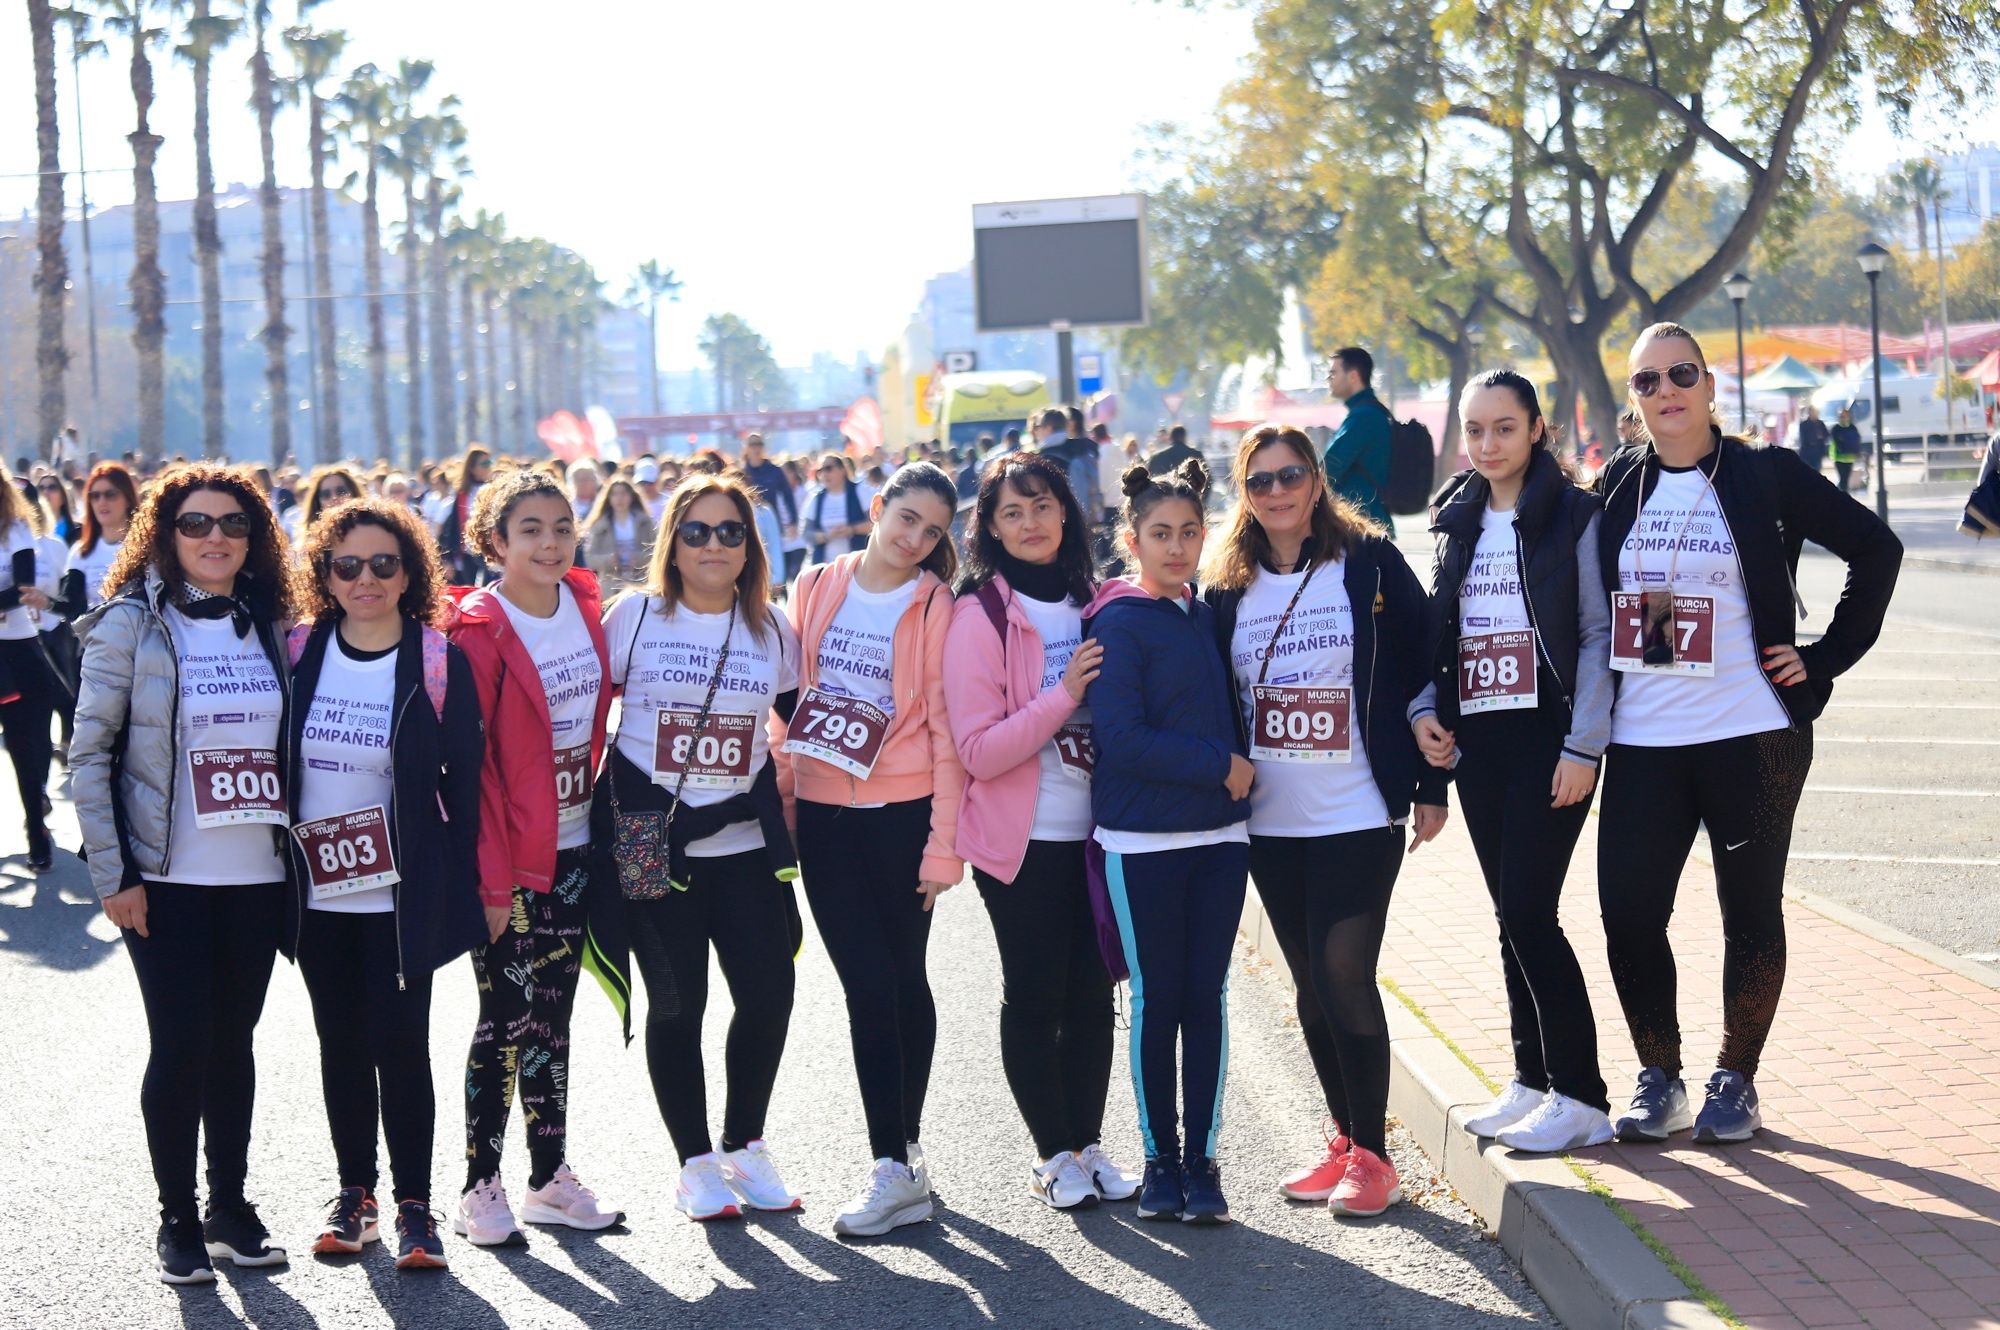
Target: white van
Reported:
[(1913, 414)]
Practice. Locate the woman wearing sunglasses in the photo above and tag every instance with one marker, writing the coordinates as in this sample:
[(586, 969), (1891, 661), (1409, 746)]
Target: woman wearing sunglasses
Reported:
[(386, 745), (834, 515), (878, 784), (1715, 702), (110, 499), (539, 665), (1016, 667), (178, 774), (1323, 627), (1519, 708), (326, 488), (62, 520), (702, 659)]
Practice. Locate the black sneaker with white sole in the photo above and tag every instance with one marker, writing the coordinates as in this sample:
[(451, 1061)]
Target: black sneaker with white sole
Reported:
[(183, 1258), (235, 1233)]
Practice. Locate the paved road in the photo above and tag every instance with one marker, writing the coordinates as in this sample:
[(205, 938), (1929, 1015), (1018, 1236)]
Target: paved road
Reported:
[(80, 1218)]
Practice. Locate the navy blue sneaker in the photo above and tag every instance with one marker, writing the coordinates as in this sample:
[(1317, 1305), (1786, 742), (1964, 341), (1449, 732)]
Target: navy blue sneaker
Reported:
[(1163, 1194), (183, 1258), (1204, 1203), (1730, 1111), (1659, 1108)]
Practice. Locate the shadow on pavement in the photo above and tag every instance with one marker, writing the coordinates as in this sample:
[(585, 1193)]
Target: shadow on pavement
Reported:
[(51, 912)]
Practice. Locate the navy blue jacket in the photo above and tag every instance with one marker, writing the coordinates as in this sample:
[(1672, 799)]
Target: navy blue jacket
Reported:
[(1163, 715)]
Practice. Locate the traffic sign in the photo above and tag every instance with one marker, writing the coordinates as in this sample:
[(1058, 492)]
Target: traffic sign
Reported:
[(960, 362), (1174, 402), (1089, 374)]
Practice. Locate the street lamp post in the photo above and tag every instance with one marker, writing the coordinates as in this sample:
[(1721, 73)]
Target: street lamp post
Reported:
[(1738, 287), (1872, 258)]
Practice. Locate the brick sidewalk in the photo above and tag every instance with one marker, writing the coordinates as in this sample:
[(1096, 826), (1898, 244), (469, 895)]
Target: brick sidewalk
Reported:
[(1872, 1196)]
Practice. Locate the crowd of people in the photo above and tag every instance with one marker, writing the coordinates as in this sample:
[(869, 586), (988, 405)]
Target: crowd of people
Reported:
[(366, 721)]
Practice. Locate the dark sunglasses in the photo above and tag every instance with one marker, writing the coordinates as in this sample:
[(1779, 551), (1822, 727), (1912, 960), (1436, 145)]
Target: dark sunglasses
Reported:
[(104, 496), (335, 493), (51, 487), (348, 566), (1646, 382), (695, 535), (196, 526), (1286, 478)]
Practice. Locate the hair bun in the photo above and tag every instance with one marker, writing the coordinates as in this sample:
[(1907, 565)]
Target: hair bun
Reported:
[(1195, 472), (1136, 480)]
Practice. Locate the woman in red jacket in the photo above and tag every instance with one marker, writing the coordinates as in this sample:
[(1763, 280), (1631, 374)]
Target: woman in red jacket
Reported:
[(539, 664)]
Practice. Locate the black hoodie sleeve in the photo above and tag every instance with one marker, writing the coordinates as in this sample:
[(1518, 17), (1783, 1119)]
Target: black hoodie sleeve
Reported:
[(462, 750), (1405, 622), (1813, 508)]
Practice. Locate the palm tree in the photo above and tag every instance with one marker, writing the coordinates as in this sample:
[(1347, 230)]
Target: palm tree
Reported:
[(444, 164), (365, 106), (402, 153), (650, 284), (265, 90), (316, 53), (207, 33), (149, 285), (52, 268), (1915, 185), (465, 244)]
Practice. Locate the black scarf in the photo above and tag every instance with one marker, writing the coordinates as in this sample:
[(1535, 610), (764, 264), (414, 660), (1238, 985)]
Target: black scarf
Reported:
[(199, 604), (1047, 582)]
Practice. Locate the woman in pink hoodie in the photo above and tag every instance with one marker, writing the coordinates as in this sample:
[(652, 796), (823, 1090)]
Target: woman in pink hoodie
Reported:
[(877, 784), (1016, 667)]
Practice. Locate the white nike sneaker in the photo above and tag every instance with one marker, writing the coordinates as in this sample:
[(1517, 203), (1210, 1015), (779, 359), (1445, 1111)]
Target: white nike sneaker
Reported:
[(1559, 1124), (702, 1192), (1060, 1183), (752, 1173), (894, 1195), (1114, 1182), (1515, 1103)]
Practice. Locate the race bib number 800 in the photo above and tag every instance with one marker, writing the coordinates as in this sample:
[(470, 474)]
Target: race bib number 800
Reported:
[(232, 786)]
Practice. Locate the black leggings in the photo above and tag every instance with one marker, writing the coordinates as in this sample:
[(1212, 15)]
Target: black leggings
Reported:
[(752, 920), (203, 970), (1055, 1013), (374, 1048), (1745, 791), (1328, 901), (861, 868), (26, 720), (527, 989), (1524, 849)]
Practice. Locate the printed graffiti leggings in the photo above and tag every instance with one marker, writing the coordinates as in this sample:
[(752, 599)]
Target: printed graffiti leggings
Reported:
[(527, 989), (1744, 790)]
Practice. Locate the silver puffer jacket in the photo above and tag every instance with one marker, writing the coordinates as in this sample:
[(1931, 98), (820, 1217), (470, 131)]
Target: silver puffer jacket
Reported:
[(124, 754)]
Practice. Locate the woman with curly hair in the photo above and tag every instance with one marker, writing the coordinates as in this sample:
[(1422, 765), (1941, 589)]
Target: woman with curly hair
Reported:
[(326, 488), (539, 666), (384, 786), (178, 774), (29, 681)]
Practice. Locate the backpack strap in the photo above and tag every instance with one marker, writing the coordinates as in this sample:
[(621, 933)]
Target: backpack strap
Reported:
[(436, 668), (995, 606), (295, 642)]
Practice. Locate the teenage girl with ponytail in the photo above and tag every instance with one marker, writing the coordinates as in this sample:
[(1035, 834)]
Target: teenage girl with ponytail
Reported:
[(1169, 796), (877, 781)]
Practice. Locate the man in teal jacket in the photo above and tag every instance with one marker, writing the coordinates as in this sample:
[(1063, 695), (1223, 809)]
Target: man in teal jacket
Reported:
[(1357, 458)]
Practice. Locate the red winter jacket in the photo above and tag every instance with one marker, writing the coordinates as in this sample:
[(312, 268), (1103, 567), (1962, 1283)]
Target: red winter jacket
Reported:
[(517, 794)]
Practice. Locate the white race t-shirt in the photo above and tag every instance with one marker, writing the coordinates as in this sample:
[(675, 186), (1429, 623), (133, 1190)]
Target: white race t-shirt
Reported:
[(856, 652), (625, 539), (665, 662), (1490, 600), (93, 566), (1316, 650), (344, 754), (230, 698), (20, 623), (572, 677), (1062, 800), (1671, 710)]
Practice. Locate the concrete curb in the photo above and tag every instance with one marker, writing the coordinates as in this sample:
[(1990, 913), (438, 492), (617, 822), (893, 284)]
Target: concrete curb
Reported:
[(1877, 931), (1951, 565)]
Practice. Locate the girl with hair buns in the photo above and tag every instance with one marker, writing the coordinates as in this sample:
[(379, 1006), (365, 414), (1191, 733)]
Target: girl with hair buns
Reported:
[(1170, 799), (1323, 626)]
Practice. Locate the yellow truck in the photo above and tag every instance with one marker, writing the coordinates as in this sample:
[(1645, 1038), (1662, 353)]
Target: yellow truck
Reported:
[(988, 402)]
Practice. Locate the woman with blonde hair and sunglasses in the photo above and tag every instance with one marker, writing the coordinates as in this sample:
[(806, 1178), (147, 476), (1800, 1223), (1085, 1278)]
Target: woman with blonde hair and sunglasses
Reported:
[(703, 659), (1322, 623), (1716, 697)]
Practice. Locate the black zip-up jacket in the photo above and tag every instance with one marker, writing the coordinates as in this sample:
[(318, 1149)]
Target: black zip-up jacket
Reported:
[(433, 811), (1390, 666), (1559, 575), (1772, 504)]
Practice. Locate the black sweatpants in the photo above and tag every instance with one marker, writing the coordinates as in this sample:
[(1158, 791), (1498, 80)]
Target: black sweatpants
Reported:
[(751, 919), (861, 867), (374, 1048), (1524, 848), (527, 990), (1745, 791), (26, 721), (203, 970), (1327, 898), (1055, 1011)]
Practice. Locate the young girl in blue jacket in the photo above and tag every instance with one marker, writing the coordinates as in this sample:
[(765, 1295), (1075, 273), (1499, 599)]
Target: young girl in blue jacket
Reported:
[(1169, 797)]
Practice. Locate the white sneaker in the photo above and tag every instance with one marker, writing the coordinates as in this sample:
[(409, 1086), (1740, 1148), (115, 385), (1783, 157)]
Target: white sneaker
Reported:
[(568, 1202), (703, 1192), (753, 1174), (1515, 1103), (1559, 1124), (484, 1218), (1114, 1182), (1060, 1183), (893, 1196)]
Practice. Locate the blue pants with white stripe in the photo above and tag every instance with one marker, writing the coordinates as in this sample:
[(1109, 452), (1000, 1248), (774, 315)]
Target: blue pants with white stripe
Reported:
[(1177, 915)]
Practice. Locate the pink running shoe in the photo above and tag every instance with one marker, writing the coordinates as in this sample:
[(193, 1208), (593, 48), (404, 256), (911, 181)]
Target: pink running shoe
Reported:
[(1369, 1188), (1316, 1182), (567, 1201)]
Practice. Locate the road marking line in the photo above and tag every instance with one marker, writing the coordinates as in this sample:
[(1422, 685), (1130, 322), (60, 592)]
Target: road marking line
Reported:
[(1829, 857), (1912, 678), (1886, 739), (1884, 789), (1843, 704)]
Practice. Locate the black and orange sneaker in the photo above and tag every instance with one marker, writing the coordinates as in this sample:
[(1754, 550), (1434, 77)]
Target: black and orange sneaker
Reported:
[(352, 1221), (418, 1243), (235, 1233)]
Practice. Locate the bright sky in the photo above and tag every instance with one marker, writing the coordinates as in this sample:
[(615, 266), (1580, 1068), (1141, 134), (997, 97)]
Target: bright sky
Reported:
[(804, 165)]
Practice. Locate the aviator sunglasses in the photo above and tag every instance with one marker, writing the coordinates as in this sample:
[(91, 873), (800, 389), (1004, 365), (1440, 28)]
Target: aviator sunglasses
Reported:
[(1646, 382), (695, 535), (348, 566), (196, 526), (1286, 478)]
